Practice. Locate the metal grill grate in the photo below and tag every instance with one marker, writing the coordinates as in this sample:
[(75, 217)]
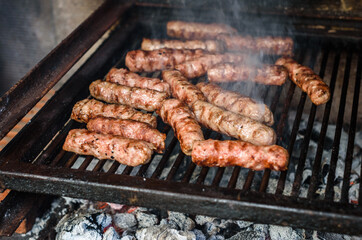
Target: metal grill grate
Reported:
[(172, 181)]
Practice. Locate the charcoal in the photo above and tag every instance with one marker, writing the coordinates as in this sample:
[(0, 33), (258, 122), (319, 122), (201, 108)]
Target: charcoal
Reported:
[(216, 237), (249, 235), (243, 224), (199, 234), (163, 232), (279, 232), (124, 220), (201, 220), (210, 229), (111, 234), (146, 220), (181, 220)]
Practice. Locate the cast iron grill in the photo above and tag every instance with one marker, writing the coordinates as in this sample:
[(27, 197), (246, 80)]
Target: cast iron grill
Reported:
[(35, 162)]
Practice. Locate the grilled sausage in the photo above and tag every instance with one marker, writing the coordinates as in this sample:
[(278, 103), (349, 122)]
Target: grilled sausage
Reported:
[(193, 30), (236, 103), (124, 77), (229, 72), (207, 45), (265, 45), (199, 66), (104, 146), (233, 124), (160, 59), (183, 122), (215, 153), (140, 98), (182, 88), (87, 109), (307, 80), (128, 129)]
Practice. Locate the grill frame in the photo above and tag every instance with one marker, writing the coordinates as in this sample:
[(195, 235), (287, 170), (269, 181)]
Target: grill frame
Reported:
[(17, 172)]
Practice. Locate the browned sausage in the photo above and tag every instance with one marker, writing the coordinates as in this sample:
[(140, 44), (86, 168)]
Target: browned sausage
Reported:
[(183, 122), (233, 124), (87, 109), (193, 30), (230, 72), (128, 129), (181, 88), (236, 103), (214, 153), (124, 77), (306, 79), (104, 146), (265, 45), (140, 98), (160, 59), (207, 45), (199, 66)]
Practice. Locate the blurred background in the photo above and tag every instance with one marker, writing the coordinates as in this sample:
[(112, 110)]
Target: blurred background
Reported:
[(30, 29)]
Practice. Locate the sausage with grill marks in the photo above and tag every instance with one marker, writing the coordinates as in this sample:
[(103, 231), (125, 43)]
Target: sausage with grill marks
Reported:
[(236, 103), (207, 45), (306, 79), (128, 129), (87, 109), (124, 77), (215, 153), (198, 67), (230, 72), (194, 30), (140, 98), (181, 88), (266, 45), (233, 124), (160, 59), (126, 151), (183, 122)]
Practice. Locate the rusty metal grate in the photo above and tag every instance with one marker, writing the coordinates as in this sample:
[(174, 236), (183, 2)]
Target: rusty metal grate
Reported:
[(34, 161)]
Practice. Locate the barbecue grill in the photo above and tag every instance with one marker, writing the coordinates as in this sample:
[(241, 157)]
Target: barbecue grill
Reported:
[(34, 161)]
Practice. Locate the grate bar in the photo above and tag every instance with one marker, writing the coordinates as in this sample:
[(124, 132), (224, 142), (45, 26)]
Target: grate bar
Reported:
[(234, 177), (175, 166), (127, 170), (189, 172), (202, 175), (318, 157), (337, 137), (86, 162), (99, 165), (352, 134), (115, 165), (165, 158), (218, 176), (249, 180)]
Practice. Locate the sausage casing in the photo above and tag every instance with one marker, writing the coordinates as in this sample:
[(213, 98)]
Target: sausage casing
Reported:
[(193, 30), (124, 77), (233, 124), (160, 59), (215, 153), (199, 66), (104, 146), (230, 72), (183, 122), (265, 45), (207, 45), (87, 109), (181, 88), (128, 129), (236, 103), (149, 100), (306, 79)]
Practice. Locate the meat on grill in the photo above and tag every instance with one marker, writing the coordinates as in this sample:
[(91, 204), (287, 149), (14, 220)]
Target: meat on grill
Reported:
[(233, 124), (306, 79), (207, 45), (87, 109), (215, 153), (160, 59), (199, 66), (265, 45), (230, 72), (181, 88), (193, 30), (140, 98), (183, 122), (236, 103), (104, 146), (124, 77), (128, 129)]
